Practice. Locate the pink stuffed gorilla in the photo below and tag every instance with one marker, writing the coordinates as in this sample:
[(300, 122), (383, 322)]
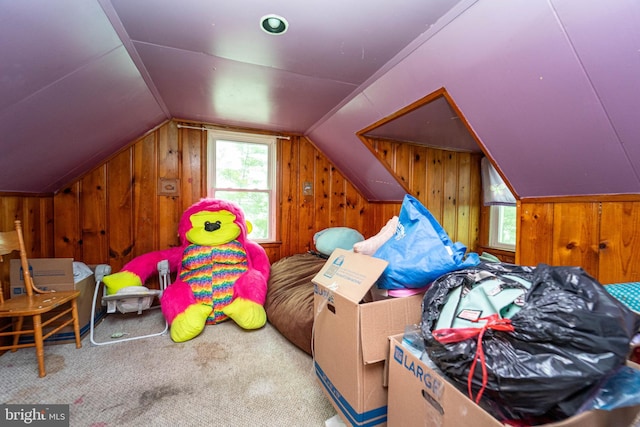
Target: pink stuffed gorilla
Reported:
[(221, 274)]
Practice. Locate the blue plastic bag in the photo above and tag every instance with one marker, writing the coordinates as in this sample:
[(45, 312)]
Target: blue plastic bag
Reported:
[(420, 250)]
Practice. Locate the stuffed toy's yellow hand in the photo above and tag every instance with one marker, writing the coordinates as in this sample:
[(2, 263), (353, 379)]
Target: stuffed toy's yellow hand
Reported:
[(188, 324), (247, 314), (124, 279)]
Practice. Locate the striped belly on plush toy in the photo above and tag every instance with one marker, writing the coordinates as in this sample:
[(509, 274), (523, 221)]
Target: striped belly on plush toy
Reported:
[(211, 271)]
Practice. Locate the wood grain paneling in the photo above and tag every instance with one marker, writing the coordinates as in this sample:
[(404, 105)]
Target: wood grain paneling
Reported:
[(119, 209), (36, 214), (67, 234), (602, 237), (619, 244), (575, 235), (446, 182), (418, 181), (169, 167), (535, 244), (145, 211), (93, 216), (114, 212)]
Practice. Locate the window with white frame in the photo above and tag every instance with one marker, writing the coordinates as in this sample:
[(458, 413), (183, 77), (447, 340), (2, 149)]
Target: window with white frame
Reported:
[(502, 211), (502, 227), (241, 167)]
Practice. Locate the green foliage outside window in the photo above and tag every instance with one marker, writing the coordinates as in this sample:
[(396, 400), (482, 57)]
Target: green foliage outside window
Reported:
[(507, 233), (242, 176)]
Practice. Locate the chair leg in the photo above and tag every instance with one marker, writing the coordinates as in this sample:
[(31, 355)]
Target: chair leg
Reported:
[(16, 338), (76, 322), (37, 337)]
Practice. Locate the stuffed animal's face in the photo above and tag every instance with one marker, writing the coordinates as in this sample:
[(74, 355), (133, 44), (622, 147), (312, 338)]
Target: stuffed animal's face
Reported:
[(212, 228)]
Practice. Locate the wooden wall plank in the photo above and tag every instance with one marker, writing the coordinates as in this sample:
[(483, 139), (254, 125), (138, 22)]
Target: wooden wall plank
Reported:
[(357, 215), (463, 200), (120, 215), (193, 182), (93, 220), (305, 216), (289, 194), (403, 162), (169, 167), (418, 181), (619, 242), (337, 200), (323, 193), (575, 240), (10, 210), (435, 184), (536, 234), (145, 185), (66, 207), (451, 174), (475, 204)]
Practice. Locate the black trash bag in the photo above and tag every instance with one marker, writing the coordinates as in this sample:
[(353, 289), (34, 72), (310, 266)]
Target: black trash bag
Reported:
[(569, 335)]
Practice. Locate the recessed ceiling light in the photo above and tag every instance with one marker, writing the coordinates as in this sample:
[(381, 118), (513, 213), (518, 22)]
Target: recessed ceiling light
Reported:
[(273, 24)]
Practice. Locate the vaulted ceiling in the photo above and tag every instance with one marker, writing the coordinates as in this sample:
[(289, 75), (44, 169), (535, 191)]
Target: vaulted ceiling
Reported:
[(551, 88)]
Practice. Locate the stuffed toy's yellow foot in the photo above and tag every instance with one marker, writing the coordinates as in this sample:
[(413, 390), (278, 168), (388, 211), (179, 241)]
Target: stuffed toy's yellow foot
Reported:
[(247, 314), (190, 323)]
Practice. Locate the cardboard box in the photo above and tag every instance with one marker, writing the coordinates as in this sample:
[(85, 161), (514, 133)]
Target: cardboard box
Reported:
[(419, 396), (57, 274), (351, 337)]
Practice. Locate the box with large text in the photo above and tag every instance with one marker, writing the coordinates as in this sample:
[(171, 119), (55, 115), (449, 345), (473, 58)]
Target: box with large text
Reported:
[(419, 396), (351, 337)]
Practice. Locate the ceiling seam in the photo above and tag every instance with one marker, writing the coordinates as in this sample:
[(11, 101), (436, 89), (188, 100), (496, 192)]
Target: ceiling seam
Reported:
[(118, 27), (248, 64), (430, 32), (58, 80)]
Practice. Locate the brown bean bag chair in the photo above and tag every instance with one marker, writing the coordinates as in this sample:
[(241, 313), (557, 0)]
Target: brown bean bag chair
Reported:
[(289, 303)]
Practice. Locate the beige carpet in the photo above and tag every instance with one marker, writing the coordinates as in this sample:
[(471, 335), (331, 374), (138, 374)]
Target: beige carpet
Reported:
[(224, 377)]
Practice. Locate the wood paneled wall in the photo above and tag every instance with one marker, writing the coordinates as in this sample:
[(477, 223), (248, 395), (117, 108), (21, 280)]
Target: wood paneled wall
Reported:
[(115, 213), (335, 202), (36, 214), (600, 234), (446, 182)]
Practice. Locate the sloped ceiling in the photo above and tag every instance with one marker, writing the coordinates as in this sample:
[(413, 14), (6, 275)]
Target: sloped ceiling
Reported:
[(550, 88)]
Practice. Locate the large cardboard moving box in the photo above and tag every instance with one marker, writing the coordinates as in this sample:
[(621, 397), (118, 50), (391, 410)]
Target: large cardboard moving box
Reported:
[(420, 396), (57, 274), (351, 337)]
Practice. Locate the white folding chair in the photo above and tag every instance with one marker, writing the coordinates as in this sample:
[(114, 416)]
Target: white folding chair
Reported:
[(135, 299)]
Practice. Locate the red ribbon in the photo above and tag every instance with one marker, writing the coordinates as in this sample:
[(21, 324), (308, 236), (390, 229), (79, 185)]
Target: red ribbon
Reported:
[(451, 335)]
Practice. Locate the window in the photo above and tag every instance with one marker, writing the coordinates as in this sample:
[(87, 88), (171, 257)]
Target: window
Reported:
[(502, 211), (241, 169), (502, 227)]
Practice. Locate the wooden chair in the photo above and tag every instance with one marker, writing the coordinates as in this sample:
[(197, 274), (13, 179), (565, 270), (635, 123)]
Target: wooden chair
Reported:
[(59, 307)]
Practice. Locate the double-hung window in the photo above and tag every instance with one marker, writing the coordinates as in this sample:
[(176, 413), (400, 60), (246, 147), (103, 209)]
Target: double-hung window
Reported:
[(502, 211), (241, 167), (502, 227)]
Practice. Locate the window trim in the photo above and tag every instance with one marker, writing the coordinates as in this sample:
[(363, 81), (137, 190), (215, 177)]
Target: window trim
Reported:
[(253, 138), (495, 215)]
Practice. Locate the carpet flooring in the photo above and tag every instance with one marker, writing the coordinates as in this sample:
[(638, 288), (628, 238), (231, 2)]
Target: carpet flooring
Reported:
[(224, 377)]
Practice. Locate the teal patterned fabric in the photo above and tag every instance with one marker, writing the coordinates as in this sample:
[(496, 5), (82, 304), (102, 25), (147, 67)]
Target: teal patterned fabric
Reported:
[(626, 293)]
